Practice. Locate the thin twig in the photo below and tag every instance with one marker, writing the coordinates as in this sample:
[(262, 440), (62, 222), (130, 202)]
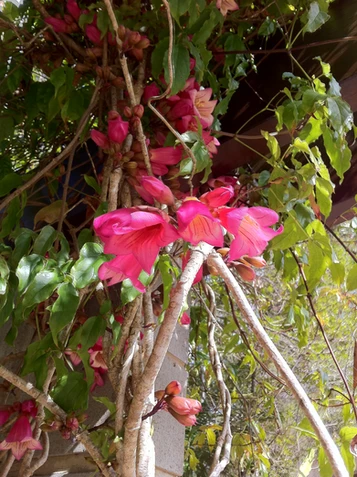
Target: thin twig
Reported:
[(225, 438), (341, 242), (321, 327)]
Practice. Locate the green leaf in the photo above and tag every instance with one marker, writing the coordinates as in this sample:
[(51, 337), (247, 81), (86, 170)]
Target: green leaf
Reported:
[(45, 240), (35, 360), (317, 264), (51, 213), (337, 272), (314, 18), (58, 78), (180, 67), (351, 281), (273, 145), (88, 334), (178, 8), (22, 245), (64, 309), (306, 466), (267, 27), (340, 114), (324, 190), (28, 267), (85, 270), (9, 182), (107, 403), (41, 288), (103, 22), (324, 464), (71, 392), (157, 55), (204, 31), (338, 152), (128, 292), (293, 233), (85, 235), (92, 183), (167, 275)]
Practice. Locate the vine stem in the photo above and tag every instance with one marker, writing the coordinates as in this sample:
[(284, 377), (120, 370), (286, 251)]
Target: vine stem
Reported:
[(292, 383), (350, 253), (178, 297), (328, 344)]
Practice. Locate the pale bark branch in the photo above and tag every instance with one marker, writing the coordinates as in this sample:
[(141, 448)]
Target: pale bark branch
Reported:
[(177, 299), (292, 383)]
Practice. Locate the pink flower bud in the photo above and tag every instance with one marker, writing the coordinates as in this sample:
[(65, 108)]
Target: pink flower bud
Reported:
[(99, 138), (134, 38), (59, 26), (93, 34), (117, 128), (183, 406), (247, 273), (158, 190), (73, 9), (257, 262), (160, 394), (185, 319), (138, 110), (151, 90), (72, 423), (187, 420), (68, 19), (173, 388), (143, 43), (128, 113), (66, 433)]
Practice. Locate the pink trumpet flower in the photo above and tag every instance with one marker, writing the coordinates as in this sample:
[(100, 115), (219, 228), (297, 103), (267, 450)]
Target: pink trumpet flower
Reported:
[(251, 229), (158, 190), (99, 138), (202, 106), (20, 439), (135, 235), (196, 224), (120, 268), (217, 197), (226, 5)]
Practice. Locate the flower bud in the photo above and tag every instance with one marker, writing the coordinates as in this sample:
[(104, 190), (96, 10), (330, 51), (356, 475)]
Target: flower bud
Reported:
[(72, 423), (73, 9), (247, 273), (59, 26), (117, 128), (134, 38), (118, 82), (94, 53), (185, 319), (127, 112), (187, 420), (143, 43), (183, 406), (257, 262), (122, 32), (138, 110), (66, 433), (160, 394), (173, 388), (93, 34), (158, 190), (223, 251)]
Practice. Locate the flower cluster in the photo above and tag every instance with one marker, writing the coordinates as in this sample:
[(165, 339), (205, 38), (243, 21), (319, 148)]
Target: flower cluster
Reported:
[(184, 410), (136, 235), (20, 438)]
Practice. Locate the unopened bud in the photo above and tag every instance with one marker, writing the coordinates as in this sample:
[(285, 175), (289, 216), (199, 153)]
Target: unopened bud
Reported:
[(136, 146), (121, 32), (138, 110), (118, 82), (94, 52), (106, 72), (127, 112), (81, 68), (223, 251), (66, 434), (72, 423), (135, 121), (159, 394), (173, 388), (257, 262), (143, 43), (247, 273), (134, 38), (212, 270)]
